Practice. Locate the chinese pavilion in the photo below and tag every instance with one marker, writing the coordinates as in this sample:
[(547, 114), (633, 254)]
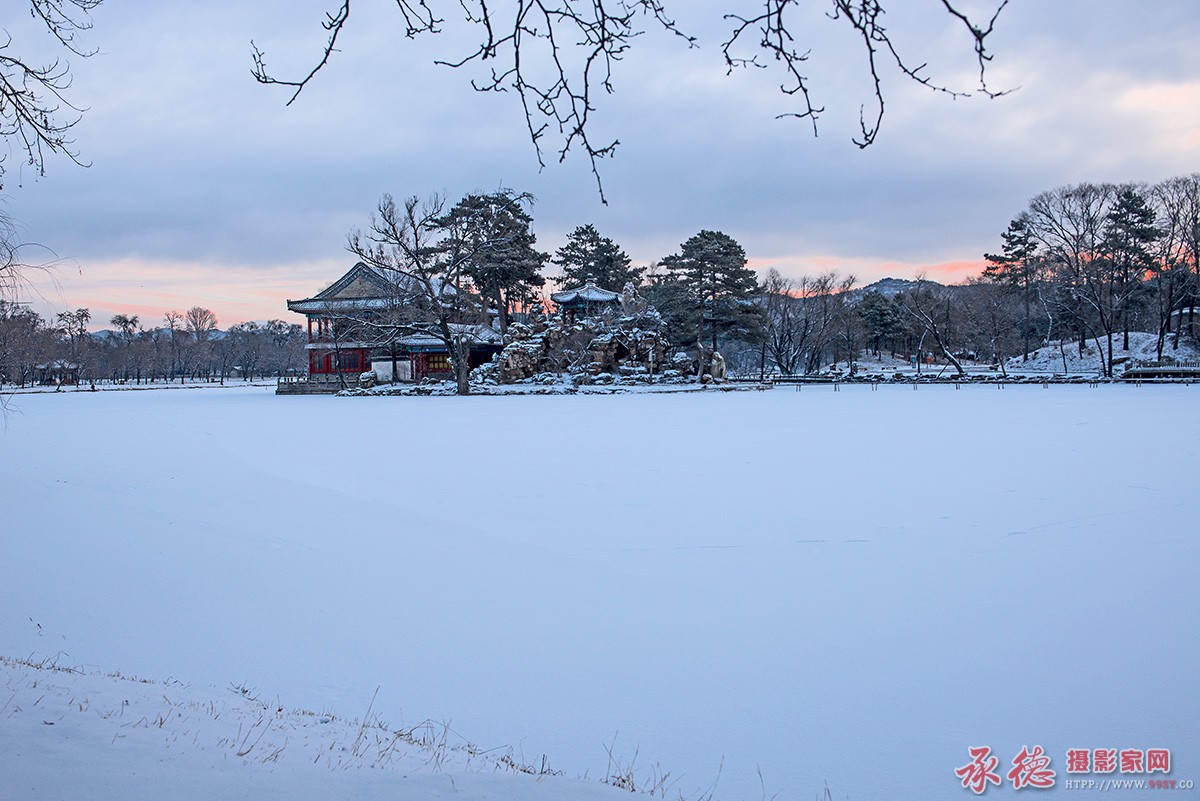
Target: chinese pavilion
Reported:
[(360, 295), (585, 300)]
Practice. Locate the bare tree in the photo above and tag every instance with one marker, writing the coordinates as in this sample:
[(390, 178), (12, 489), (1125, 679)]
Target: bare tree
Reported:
[(72, 326), (991, 321), (126, 356), (930, 308), (788, 327), (241, 343), (35, 113), (25, 339), (1176, 273), (558, 56), (848, 323), (284, 346), (427, 255), (809, 319), (10, 261), (200, 323), (822, 305), (174, 334), (1068, 222)]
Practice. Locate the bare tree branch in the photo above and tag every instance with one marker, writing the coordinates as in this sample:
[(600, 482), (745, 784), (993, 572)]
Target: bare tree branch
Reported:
[(34, 111), (334, 22), (64, 23), (980, 35), (866, 17), (777, 41), (557, 55)]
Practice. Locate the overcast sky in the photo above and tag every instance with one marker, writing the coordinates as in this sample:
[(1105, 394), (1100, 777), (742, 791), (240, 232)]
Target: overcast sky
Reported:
[(205, 190)]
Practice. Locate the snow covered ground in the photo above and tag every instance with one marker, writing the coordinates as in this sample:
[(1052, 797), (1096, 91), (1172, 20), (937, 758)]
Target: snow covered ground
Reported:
[(765, 592), (1143, 347), (117, 736), (1046, 360), (7, 390)]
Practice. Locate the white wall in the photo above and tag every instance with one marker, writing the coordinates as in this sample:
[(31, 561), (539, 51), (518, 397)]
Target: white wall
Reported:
[(383, 369)]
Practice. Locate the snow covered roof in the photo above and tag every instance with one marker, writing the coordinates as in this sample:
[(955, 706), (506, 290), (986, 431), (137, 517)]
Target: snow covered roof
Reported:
[(361, 281), (339, 305), (363, 288), (588, 293), (475, 333)]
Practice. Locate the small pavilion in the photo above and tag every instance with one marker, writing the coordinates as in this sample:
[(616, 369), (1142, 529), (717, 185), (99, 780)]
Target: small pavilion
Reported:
[(586, 300)]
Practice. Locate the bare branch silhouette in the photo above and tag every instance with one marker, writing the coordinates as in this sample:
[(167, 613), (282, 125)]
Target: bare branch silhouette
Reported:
[(559, 56)]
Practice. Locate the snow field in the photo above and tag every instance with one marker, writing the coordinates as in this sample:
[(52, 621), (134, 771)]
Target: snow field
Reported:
[(149, 739), (847, 587)]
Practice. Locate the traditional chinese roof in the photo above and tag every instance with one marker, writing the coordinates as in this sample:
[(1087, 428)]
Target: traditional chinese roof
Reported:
[(361, 281), (362, 288), (476, 335), (339, 305), (588, 293)]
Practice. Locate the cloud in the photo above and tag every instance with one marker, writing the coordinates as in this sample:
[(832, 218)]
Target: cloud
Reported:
[(197, 170), (150, 287)]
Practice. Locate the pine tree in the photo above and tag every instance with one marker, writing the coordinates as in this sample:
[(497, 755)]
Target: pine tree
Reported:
[(1019, 269), (881, 317), (711, 267), (589, 255), (494, 231), (1129, 234)]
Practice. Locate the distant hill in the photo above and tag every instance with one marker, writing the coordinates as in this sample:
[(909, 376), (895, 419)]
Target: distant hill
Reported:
[(891, 287)]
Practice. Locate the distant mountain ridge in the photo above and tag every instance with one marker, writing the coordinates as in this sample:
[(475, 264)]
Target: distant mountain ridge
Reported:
[(891, 287)]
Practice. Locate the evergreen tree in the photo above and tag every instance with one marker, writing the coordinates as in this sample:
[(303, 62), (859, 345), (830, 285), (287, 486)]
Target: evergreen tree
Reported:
[(1018, 268), (587, 254), (492, 233), (1020, 248), (881, 317), (711, 268), (679, 311), (1129, 235)]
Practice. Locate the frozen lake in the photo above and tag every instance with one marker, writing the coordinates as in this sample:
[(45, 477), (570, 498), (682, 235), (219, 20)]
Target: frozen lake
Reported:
[(848, 588)]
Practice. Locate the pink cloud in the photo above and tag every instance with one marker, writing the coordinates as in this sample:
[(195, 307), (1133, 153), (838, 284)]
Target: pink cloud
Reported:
[(235, 293)]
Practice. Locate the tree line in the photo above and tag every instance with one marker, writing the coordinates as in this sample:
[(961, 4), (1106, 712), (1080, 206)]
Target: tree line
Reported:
[(1085, 264), (186, 346), (1096, 261), (454, 268)]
